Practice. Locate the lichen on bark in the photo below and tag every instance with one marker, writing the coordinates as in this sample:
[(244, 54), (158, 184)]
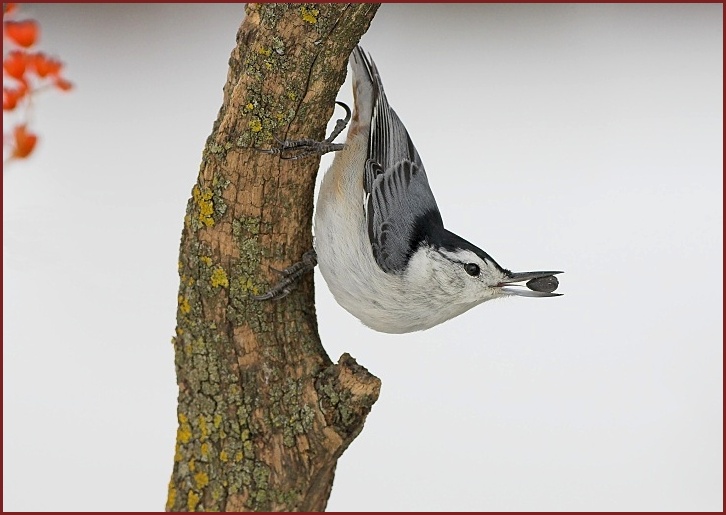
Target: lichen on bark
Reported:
[(263, 413)]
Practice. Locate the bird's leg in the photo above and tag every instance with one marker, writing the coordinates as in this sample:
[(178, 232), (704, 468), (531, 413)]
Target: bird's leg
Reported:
[(296, 150), (306, 147), (290, 277)]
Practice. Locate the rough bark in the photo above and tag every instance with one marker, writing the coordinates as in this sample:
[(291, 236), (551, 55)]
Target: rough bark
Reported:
[(263, 412)]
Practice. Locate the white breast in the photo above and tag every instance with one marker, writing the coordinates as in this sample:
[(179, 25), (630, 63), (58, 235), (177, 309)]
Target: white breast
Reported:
[(385, 302)]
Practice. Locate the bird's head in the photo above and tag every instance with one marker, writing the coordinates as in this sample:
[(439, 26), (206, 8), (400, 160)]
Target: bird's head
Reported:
[(467, 276)]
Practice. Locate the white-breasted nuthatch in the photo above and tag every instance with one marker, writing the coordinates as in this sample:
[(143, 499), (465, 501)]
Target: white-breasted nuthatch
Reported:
[(379, 237)]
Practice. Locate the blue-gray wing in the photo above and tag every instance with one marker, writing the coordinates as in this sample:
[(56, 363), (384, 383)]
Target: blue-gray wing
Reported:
[(401, 213), (400, 208)]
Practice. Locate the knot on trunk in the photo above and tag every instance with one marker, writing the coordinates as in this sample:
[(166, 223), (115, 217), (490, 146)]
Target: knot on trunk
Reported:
[(347, 392)]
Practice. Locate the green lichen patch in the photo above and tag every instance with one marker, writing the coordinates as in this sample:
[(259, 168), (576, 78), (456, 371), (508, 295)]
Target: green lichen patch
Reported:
[(208, 436), (267, 112), (278, 45), (285, 497), (219, 184), (259, 499), (244, 277), (341, 410), (288, 412)]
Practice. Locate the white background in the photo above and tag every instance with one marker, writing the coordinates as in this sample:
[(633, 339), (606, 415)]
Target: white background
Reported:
[(584, 138)]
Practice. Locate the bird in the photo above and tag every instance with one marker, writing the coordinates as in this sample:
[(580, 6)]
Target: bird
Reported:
[(379, 237)]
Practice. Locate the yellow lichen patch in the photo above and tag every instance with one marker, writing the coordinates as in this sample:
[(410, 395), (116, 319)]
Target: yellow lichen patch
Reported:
[(223, 456), (219, 277), (184, 433), (205, 214), (206, 209), (171, 497), (203, 199), (309, 15), (206, 260), (249, 107), (204, 449), (217, 420), (184, 306), (203, 427), (264, 51), (192, 500), (238, 456), (192, 465), (255, 125), (177, 453), (201, 479)]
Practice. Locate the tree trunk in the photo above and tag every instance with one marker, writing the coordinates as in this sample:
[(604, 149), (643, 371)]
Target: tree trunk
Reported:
[(263, 413)]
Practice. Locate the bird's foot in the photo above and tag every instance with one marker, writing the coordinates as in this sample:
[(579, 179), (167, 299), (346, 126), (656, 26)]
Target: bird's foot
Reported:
[(290, 277), (307, 147)]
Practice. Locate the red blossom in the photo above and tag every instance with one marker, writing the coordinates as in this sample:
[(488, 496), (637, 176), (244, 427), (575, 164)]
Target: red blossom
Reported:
[(25, 74), (11, 97), (63, 85), (14, 64), (24, 32), (24, 142), (44, 65)]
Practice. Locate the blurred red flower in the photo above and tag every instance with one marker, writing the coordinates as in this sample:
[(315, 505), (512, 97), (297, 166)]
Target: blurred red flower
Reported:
[(24, 33), (25, 74)]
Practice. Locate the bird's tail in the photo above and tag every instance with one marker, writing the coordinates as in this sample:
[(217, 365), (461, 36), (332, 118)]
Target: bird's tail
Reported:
[(367, 88), (389, 142)]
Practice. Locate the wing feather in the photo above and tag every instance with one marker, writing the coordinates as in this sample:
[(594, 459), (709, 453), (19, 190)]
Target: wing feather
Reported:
[(401, 210)]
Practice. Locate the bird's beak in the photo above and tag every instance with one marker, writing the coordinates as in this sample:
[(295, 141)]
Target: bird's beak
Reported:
[(539, 284)]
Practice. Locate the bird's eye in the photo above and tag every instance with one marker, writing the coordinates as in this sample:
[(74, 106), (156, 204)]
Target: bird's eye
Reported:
[(472, 269)]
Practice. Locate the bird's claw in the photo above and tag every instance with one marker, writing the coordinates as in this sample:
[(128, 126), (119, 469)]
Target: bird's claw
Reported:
[(290, 277), (297, 149)]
